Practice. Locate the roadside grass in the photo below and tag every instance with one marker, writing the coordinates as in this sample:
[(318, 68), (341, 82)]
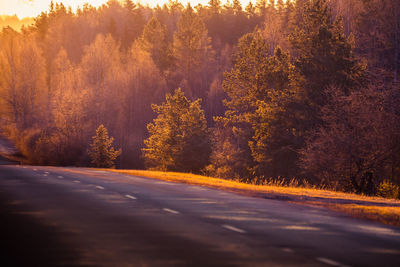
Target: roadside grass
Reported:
[(388, 215), (358, 206)]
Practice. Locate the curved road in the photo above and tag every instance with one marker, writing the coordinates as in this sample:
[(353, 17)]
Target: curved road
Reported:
[(81, 217)]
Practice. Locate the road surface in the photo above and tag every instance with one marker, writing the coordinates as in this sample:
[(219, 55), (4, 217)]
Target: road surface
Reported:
[(81, 217)]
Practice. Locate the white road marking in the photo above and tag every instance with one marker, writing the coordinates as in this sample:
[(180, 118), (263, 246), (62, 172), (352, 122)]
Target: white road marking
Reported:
[(76, 181), (46, 172), (35, 169), (44, 175), (129, 196), (99, 171), (171, 211), (99, 187), (165, 183), (208, 202), (377, 230), (132, 177), (233, 228), (300, 227), (60, 177), (329, 262), (192, 199), (289, 250), (197, 188)]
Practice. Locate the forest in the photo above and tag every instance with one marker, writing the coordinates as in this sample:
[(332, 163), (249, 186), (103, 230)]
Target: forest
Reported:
[(304, 89)]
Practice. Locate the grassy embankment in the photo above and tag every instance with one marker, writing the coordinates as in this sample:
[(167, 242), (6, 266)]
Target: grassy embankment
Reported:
[(373, 208)]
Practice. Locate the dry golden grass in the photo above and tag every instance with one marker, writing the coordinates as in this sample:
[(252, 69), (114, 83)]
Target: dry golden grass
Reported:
[(224, 184), (374, 208), (384, 214)]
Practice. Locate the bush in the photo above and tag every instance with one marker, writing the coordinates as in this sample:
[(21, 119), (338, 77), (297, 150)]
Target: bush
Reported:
[(388, 189), (101, 151), (179, 138)]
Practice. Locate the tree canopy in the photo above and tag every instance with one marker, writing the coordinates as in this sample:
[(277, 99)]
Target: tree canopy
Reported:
[(179, 138), (101, 151), (285, 88)]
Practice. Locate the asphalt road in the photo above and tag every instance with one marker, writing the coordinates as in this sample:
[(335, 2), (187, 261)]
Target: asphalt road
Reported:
[(82, 217)]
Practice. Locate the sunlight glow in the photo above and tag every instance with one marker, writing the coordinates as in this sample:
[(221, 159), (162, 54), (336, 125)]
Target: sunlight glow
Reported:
[(32, 8)]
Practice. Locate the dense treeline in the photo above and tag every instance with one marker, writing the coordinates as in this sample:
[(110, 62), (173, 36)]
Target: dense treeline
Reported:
[(304, 88)]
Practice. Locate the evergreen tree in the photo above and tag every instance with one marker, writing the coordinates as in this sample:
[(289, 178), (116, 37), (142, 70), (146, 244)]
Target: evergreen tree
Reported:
[(250, 9), (280, 6), (193, 53), (275, 139), (237, 6), (179, 139), (155, 41), (258, 88), (376, 25), (101, 151), (214, 6), (324, 56), (129, 5)]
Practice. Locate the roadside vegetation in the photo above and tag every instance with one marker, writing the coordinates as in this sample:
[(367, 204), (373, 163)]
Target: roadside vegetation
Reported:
[(101, 150), (301, 89), (359, 206)]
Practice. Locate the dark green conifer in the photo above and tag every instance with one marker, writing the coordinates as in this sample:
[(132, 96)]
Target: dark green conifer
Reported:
[(179, 138), (255, 124), (101, 151)]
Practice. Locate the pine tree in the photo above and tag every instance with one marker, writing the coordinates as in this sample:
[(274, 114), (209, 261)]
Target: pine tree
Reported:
[(215, 6), (134, 24), (179, 139), (275, 139), (129, 5), (258, 88), (250, 9), (237, 6), (324, 59), (155, 41), (280, 6), (261, 7), (101, 151), (324, 55), (192, 50)]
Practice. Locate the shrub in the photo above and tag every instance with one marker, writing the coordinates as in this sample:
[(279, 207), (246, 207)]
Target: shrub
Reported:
[(388, 189), (101, 151), (179, 138)]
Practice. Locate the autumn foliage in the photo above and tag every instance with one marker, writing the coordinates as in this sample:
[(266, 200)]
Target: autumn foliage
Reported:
[(288, 89)]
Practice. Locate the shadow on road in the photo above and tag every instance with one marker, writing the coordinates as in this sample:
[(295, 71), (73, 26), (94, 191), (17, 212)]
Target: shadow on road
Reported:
[(26, 242)]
